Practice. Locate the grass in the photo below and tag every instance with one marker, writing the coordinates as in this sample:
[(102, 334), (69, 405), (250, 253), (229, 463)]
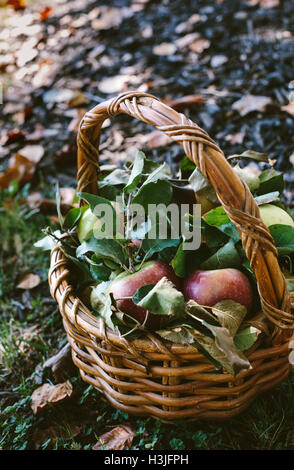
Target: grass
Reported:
[(31, 331)]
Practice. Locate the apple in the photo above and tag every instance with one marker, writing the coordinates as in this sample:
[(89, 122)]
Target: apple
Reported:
[(137, 242), (249, 176), (210, 287), (126, 285), (89, 223), (271, 215), (86, 225)]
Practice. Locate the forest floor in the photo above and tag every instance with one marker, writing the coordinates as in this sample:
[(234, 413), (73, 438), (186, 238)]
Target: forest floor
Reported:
[(233, 63)]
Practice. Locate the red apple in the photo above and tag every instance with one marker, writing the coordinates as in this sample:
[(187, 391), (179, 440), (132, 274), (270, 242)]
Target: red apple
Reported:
[(126, 285), (210, 287), (137, 242)]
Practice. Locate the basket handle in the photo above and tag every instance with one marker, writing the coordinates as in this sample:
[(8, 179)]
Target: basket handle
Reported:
[(233, 193)]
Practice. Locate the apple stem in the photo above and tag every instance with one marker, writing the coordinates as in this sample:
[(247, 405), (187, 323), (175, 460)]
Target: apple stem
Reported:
[(123, 298), (145, 319)]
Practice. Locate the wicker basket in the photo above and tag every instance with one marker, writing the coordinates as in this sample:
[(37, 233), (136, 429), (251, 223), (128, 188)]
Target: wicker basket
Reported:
[(151, 376)]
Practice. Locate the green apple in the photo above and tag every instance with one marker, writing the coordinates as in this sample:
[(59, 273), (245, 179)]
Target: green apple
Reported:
[(249, 176), (89, 222), (271, 215), (86, 225)]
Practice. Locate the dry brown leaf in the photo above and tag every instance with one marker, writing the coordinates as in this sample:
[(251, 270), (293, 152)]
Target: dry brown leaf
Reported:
[(157, 139), (116, 439), (34, 153), (13, 136), (181, 103), (288, 108), (114, 84), (45, 13), (67, 195), (249, 103), (109, 18), (165, 48), (236, 138), (17, 4), (265, 3), (29, 281), (199, 45), (48, 395), (19, 168)]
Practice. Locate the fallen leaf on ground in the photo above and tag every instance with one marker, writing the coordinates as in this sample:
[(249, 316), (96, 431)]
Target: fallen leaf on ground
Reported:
[(186, 40), (29, 281), (249, 103), (165, 48), (114, 84), (288, 108), (17, 4), (35, 200), (48, 395), (67, 195), (199, 45), (265, 3), (236, 138), (34, 153), (109, 18), (157, 139), (45, 13), (116, 439), (20, 169), (181, 103), (13, 136)]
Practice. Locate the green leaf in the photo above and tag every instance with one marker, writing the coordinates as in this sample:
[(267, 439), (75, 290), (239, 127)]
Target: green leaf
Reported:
[(162, 299), (104, 248), (160, 173), (118, 177), (283, 236), (98, 270), (218, 218), (226, 257), (72, 217), (142, 292), (246, 337), (156, 245), (271, 181), (200, 185), (156, 192), (136, 173), (94, 201), (101, 302), (187, 166), (48, 242), (179, 262)]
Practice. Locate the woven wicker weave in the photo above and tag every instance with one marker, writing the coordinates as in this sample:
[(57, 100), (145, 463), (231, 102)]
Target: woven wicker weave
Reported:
[(154, 377)]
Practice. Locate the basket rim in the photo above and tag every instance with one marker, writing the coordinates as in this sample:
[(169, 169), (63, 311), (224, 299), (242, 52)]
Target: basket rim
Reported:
[(81, 317)]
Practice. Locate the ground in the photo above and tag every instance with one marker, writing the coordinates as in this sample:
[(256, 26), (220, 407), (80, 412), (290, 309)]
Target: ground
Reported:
[(58, 61)]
